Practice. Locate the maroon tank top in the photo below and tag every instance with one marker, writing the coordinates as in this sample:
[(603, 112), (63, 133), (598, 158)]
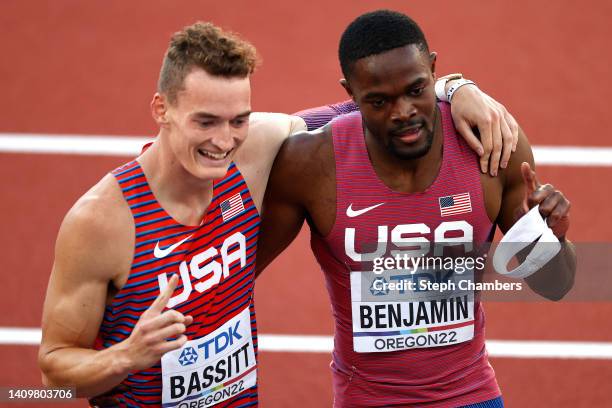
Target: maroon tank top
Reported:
[(397, 345)]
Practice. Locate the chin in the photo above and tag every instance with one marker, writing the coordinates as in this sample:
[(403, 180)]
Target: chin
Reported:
[(410, 153), (211, 173)]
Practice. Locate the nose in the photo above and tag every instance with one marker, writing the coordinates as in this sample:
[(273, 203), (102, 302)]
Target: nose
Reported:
[(403, 110), (223, 139)]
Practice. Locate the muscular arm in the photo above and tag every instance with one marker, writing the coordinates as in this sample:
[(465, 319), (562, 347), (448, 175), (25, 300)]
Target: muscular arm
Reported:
[(90, 251), (267, 131), (93, 253), (556, 278), (294, 180)]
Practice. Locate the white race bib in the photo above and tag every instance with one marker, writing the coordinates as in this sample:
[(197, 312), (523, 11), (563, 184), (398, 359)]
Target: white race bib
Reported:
[(211, 369), (398, 310)]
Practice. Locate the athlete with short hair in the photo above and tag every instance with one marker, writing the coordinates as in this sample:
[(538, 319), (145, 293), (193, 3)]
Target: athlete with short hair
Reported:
[(174, 229), (150, 300), (392, 179)]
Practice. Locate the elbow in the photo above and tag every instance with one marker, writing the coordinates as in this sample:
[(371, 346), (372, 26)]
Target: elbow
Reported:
[(50, 376), (45, 369)]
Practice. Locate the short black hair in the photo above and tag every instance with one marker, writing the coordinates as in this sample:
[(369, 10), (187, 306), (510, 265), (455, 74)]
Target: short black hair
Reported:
[(376, 32)]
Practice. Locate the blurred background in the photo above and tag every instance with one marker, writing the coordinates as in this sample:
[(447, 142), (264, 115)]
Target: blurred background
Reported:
[(75, 68)]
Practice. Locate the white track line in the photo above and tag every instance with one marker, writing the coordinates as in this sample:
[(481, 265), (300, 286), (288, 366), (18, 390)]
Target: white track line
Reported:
[(64, 144), (323, 344), (131, 146)]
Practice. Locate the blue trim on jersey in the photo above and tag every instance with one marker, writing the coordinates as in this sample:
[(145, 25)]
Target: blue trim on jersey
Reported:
[(150, 241), (142, 263), (208, 302), (149, 232), (144, 282), (118, 309), (125, 180), (143, 204), (493, 403), (230, 178), (227, 232), (145, 213), (239, 307), (144, 193), (164, 218), (122, 172), (135, 186)]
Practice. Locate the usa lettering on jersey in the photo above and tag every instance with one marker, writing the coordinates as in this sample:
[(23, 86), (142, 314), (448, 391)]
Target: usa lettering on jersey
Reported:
[(391, 317)]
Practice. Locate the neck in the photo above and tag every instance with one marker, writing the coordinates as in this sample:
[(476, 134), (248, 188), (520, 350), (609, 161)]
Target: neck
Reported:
[(185, 197), (407, 175)]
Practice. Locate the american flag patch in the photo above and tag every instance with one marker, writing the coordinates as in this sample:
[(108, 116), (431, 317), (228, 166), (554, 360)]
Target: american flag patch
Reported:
[(231, 207), (455, 204)]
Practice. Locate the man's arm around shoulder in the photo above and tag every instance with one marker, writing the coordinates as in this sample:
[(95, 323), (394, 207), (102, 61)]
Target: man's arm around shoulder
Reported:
[(284, 204)]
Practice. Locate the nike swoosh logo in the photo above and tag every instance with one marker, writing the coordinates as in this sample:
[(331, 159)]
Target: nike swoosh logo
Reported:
[(354, 213), (162, 253)]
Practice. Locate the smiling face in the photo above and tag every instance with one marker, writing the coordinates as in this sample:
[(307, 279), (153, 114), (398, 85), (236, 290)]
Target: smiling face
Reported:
[(207, 123), (395, 93)]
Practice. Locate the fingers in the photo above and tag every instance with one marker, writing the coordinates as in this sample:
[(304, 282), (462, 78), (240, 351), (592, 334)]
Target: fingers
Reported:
[(508, 143), (162, 300), (554, 207), (539, 196), (163, 326), (509, 120), (529, 178), (471, 139), (497, 143), (168, 318), (171, 331), (172, 344), (484, 128)]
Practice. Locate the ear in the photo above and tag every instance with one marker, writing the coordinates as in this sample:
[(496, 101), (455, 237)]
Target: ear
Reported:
[(159, 109), (432, 61), (347, 88)]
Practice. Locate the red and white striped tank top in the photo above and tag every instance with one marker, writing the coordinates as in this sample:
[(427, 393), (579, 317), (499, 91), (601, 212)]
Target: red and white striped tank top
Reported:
[(215, 262), (410, 354)]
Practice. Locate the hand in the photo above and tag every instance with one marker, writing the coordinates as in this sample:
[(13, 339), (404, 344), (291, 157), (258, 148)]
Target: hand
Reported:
[(553, 204), (147, 343), (498, 130)]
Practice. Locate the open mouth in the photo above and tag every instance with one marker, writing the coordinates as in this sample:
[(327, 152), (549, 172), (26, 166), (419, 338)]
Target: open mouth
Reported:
[(408, 131), (408, 134), (213, 156)]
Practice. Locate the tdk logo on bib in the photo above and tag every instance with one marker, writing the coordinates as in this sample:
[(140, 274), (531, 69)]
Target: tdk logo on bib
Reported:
[(212, 368), (188, 356), (221, 341)]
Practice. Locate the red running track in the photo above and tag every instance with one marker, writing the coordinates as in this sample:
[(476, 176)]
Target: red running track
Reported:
[(90, 68)]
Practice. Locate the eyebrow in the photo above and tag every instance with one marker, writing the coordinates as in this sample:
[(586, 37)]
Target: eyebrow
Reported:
[(208, 115), (416, 82)]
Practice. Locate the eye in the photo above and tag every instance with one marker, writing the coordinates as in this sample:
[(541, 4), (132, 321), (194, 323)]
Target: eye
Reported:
[(417, 91), (239, 122), (205, 123), (378, 103)]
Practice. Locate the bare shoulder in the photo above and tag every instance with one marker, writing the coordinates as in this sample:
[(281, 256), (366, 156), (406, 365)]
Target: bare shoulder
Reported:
[(305, 159), (267, 132), (504, 193), (93, 253), (512, 174), (97, 232)]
